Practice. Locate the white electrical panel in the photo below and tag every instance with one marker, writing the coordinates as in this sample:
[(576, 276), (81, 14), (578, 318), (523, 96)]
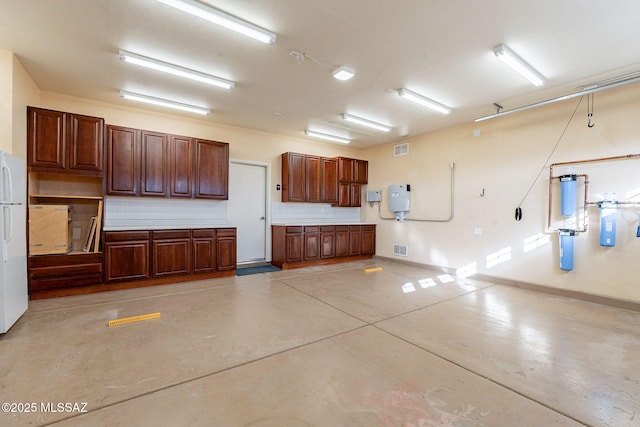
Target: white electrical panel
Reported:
[(399, 200), (374, 196)]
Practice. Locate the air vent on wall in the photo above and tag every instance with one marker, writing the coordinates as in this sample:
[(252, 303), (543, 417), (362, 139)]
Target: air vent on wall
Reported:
[(401, 250), (401, 149)]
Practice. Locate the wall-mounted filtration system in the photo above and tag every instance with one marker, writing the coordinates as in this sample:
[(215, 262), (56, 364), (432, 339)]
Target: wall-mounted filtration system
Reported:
[(568, 184), (566, 237), (608, 213), (568, 208), (399, 200)]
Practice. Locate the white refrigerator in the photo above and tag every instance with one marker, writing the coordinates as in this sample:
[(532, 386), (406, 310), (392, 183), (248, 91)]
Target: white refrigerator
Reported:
[(14, 297)]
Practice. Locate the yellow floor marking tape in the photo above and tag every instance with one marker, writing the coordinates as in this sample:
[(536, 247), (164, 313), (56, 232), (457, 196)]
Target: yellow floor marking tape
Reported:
[(371, 270), (132, 319)]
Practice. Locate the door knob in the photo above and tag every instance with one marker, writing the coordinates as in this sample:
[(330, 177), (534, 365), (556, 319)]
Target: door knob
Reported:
[(261, 218)]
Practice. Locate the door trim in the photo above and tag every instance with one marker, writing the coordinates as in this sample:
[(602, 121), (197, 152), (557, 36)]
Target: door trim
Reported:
[(267, 201)]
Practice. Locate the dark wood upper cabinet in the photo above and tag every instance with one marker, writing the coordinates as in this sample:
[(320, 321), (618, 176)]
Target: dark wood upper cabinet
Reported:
[(180, 166), (294, 175), (60, 142), (353, 170), (211, 169), (313, 179), (329, 176), (154, 164), (123, 161), (144, 163), (85, 142)]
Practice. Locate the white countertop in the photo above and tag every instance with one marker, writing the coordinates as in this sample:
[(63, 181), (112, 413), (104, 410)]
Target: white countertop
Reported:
[(167, 227), (303, 223)]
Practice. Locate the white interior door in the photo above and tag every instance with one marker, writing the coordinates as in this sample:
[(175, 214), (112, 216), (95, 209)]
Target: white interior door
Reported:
[(247, 207)]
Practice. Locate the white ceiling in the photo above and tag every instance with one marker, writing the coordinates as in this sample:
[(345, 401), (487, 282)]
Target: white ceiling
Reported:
[(439, 48)]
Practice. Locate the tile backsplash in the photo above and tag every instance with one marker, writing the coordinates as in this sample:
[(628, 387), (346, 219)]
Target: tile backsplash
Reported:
[(130, 213), (318, 213)]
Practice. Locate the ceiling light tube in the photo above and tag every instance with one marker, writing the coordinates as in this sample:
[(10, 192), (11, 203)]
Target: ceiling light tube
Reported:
[(424, 101), (326, 136), (175, 70), (223, 19), (518, 64), (365, 122), (164, 103), (343, 72)]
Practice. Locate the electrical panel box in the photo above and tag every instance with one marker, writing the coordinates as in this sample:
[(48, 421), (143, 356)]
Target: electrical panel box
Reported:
[(399, 200), (374, 196)]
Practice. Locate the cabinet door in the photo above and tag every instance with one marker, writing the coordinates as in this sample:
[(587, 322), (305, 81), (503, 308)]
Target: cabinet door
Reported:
[(329, 177), (327, 242), (226, 249), (204, 255), (154, 164), (85, 142), (180, 169), (294, 175), (293, 245), (212, 170), (345, 169), (355, 239), (342, 240), (126, 260), (171, 256), (354, 195), (311, 243), (344, 195), (313, 179), (45, 135), (361, 171), (368, 240), (123, 161)]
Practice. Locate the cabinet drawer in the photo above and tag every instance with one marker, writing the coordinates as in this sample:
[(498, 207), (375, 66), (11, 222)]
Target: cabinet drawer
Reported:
[(123, 236), (312, 229), (171, 234), (368, 228), (328, 228), (293, 230), (226, 232), (342, 228), (203, 232), (47, 283), (65, 270)]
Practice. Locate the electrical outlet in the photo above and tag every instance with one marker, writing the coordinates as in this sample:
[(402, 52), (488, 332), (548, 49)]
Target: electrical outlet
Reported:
[(76, 233), (477, 231)]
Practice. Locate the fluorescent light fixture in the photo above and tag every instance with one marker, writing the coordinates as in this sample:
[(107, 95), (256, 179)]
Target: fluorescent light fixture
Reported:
[(424, 101), (343, 72), (176, 70), (164, 103), (326, 136), (365, 122), (223, 19), (519, 65)]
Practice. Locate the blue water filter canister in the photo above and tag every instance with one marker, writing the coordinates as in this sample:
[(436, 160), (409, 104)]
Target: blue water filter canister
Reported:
[(568, 185), (608, 213), (566, 249)]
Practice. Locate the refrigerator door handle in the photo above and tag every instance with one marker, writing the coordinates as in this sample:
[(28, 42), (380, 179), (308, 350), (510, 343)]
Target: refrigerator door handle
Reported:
[(9, 184), (7, 231)]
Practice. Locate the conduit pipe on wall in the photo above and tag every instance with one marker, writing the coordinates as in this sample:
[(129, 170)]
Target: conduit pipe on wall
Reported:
[(586, 202), (451, 206)]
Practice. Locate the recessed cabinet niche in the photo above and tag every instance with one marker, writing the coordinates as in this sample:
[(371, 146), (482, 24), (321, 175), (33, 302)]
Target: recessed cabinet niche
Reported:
[(145, 163)]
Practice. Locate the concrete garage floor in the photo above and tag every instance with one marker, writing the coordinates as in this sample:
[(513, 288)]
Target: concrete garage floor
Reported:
[(324, 346)]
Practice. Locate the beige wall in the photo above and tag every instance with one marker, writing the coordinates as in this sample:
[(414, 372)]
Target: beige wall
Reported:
[(504, 161), (6, 97), (17, 90), (244, 144)]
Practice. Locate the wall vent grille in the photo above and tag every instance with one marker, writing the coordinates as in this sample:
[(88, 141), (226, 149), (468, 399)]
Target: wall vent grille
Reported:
[(401, 149), (400, 250)]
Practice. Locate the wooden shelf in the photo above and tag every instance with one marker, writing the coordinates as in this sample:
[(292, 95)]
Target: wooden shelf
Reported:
[(65, 196)]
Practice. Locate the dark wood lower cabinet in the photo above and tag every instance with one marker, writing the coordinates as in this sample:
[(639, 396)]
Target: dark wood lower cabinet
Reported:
[(171, 252), (127, 255), (301, 246), (136, 258)]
